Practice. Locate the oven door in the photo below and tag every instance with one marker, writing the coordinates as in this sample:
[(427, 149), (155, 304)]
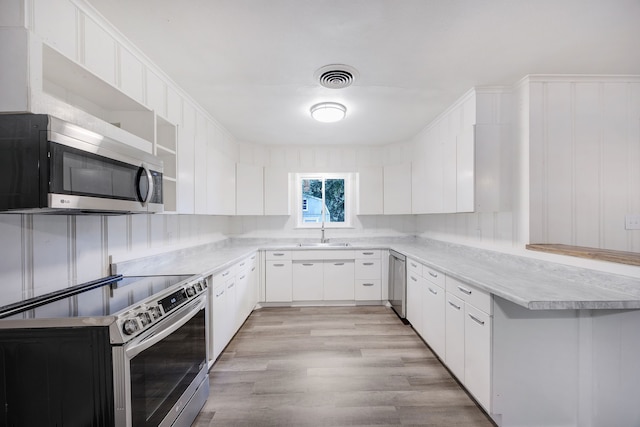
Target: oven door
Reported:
[(164, 371)]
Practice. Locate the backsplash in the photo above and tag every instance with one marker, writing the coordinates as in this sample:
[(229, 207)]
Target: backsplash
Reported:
[(44, 253)]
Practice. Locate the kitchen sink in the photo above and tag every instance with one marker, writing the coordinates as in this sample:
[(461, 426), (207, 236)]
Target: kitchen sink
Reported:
[(323, 245)]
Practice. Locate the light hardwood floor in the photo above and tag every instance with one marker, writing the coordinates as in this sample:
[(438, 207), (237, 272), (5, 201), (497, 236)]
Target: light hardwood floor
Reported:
[(333, 366)]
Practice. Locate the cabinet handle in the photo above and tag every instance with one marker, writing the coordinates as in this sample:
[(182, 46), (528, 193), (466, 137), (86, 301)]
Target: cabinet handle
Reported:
[(414, 279), (465, 290), (278, 254), (221, 293), (367, 263), (457, 307), (242, 277), (432, 274), (367, 284), (253, 269), (278, 265), (253, 257), (414, 265), (230, 285), (481, 322), (225, 274), (339, 263), (241, 264), (307, 265), (433, 292), (367, 253)]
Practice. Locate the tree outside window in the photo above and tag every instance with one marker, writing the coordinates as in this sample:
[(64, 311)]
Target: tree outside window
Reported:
[(323, 200)]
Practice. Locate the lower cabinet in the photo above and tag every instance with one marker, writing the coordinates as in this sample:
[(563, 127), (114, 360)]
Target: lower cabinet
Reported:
[(339, 280), (278, 280), (433, 317), (477, 354), (233, 296), (454, 339), (308, 280)]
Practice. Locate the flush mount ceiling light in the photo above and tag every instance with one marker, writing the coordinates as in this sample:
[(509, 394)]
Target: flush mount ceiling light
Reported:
[(328, 112)]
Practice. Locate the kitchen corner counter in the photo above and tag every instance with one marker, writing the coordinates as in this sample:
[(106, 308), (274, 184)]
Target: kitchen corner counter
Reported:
[(528, 282)]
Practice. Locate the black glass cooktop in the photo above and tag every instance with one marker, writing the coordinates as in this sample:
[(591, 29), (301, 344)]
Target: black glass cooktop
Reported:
[(104, 297)]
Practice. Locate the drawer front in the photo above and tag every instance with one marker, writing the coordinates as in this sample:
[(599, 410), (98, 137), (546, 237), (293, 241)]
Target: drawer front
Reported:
[(434, 276), (277, 255), (332, 254), (414, 266), (224, 275), (368, 253), (368, 269), (308, 255), (368, 290), (469, 294)]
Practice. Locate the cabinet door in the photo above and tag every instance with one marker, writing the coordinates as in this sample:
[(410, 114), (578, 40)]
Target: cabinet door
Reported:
[(249, 190), (231, 321), (242, 297), (433, 321), (219, 316), (465, 165), (397, 189), (454, 340), (278, 281), (276, 191), (99, 51), (414, 302), (370, 191), (308, 281), (477, 360), (339, 280)]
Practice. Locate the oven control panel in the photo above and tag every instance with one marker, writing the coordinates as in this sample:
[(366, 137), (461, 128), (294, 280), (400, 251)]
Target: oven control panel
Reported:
[(144, 315)]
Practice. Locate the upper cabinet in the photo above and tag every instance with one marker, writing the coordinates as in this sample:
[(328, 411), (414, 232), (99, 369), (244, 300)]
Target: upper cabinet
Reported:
[(249, 190), (370, 191), (461, 158), (277, 187), (397, 189)]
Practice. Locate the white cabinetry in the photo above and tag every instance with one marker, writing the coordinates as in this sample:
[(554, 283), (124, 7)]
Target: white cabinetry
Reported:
[(433, 306), (368, 275), (277, 186), (339, 280), (308, 280), (278, 276), (370, 191), (397, 189), (468, 339), (414, 301), (249, 190)]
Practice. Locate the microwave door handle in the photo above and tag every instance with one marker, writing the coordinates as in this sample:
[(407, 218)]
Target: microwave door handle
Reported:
[(150, 180), (159, 333), (144, 171)]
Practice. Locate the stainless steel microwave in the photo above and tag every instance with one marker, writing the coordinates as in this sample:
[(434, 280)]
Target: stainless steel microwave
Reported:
[(51, 166)]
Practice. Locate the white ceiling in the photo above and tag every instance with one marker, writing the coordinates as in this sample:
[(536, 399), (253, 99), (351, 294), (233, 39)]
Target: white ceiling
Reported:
[(250, 63)]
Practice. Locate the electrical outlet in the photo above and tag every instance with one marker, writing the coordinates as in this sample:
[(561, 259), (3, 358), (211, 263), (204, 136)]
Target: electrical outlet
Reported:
[(632, 222)]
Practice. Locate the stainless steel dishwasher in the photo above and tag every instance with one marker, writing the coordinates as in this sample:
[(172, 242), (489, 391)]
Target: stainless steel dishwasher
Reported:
[(398, 283)]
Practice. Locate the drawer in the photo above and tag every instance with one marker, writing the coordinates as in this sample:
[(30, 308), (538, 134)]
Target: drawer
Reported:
[(247, 263), (368, 290), (433, 276), (368, 253), (414, 266), (223, 276), (308, 255), (469, 294), (339, 254), (276, 255), (368, 269)]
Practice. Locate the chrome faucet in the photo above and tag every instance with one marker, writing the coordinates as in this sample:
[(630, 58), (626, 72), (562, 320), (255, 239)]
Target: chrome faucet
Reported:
[(322, 238)]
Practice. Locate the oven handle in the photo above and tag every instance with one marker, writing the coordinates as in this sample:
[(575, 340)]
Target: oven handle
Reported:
[(162, 331)]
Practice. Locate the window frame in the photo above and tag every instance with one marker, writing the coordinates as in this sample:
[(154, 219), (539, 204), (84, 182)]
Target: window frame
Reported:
[(348, 200)]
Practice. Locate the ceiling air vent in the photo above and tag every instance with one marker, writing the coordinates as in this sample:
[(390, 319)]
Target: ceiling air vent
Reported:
[(336, 76)]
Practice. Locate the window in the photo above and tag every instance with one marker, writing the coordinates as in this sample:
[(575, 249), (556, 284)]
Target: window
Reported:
[(323, 199)]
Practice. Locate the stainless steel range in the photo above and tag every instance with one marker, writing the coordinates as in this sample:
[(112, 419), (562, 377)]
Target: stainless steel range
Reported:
[(121, 351)]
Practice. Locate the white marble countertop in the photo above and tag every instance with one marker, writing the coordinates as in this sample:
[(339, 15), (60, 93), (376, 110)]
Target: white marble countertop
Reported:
[(531, 283)]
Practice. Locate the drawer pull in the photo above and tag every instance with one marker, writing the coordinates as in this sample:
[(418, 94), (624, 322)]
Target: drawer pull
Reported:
[(367, 253), (278, 254), (278, 265), (339, 263), (225, 274), (242, 277), (231, 285), (414, 279), (253, 269), (465, 290), (307, 264), (367, 263), (367, 284), (414, 265), (433, 292), (432, 274), (241, 264), (457, 307), (253, 257), (481, 322), (220, 294)]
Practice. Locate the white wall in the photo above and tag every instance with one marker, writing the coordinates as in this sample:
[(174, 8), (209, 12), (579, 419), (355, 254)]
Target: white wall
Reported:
[(45, 253)]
